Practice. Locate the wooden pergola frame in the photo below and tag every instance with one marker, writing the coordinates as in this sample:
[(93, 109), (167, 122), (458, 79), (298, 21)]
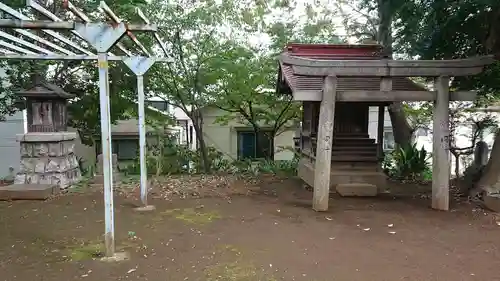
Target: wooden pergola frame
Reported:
[(385, 69)]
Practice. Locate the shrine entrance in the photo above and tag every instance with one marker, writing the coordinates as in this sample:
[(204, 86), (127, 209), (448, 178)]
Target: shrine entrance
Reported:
[(351, 118), (336, 85)]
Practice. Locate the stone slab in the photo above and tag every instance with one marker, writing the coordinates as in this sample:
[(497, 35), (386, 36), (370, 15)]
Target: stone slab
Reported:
[(305, 171), (148, 208), (46, 137), (357, 189), (27, 191), (100, 164), (492, 202)]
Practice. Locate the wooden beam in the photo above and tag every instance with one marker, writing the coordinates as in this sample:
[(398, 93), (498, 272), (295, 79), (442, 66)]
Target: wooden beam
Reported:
[(386, 71), (324, 145), (384, 67), (440, 147), (384, 96)]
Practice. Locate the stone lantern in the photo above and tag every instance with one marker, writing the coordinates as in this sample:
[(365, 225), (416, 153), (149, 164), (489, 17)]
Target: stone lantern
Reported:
[(47, 149)]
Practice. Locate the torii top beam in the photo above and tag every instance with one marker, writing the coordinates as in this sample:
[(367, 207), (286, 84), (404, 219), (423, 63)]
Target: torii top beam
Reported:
[(386, 67)]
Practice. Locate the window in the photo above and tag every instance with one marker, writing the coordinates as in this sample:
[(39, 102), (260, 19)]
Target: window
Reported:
[(252, 147), (125, 149), (160, 105), (389, 143)]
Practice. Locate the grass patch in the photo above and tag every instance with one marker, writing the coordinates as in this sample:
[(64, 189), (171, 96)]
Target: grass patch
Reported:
[(81, 187), (88, 250), (192, 216)]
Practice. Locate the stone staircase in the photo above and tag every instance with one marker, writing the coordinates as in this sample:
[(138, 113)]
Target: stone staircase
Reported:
[(354, 149), (355, 169)]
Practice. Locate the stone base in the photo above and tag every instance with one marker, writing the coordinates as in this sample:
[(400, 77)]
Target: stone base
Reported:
[(147, 208), (357, 189), (27, 191), (99, 178), (492, 202), (117, 257), (48, 158), (353, 176)]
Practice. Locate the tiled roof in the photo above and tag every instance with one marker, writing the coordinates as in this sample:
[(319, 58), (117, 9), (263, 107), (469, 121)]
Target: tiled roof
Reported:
[(338, 52)]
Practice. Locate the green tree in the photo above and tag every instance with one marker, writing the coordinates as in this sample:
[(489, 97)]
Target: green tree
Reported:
[(372, 21), (247, 73), (195, 35), (246, 91), (445, 29)]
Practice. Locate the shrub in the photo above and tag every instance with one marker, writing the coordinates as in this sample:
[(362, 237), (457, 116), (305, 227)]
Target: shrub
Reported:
[(166, 157), (407, 163)]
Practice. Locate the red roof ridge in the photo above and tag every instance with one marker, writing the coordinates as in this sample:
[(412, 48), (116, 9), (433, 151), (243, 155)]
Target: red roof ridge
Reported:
[(335, 51)]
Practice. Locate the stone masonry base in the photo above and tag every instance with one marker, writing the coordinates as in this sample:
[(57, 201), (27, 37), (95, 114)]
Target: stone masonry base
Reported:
[(48, 158)]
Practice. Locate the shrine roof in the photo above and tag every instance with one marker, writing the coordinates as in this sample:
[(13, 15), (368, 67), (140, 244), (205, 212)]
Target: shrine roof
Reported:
[(338, 52), (42, 89)]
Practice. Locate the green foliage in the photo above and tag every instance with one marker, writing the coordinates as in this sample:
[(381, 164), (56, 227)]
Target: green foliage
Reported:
[(167, 158), (445, 29), (407, 163)]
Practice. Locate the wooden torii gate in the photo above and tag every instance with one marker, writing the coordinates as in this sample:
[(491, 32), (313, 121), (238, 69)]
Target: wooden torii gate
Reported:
[(386, 70)]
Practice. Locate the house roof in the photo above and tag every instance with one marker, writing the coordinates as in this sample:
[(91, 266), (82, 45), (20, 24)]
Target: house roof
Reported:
[(336, 52)]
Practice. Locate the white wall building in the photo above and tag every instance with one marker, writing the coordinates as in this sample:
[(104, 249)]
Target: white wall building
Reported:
[(9, 128)]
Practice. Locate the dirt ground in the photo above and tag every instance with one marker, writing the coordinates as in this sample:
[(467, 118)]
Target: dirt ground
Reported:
[(271, 234)]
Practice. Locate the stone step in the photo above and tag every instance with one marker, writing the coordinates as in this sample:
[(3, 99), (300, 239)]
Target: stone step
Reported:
[(357, 189), (356, 153), (352, 141), (350, 158), (351, 135), (371, 147), (27, 191), (356, 166)]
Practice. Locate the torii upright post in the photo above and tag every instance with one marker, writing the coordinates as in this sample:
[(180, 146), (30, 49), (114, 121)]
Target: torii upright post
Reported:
[(139, 66), (102, 37)]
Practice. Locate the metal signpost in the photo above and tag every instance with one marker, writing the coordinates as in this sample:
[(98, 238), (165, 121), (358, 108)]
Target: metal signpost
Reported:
[(102, 37)]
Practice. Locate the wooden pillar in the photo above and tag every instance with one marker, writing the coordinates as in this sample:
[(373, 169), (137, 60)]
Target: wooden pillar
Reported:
[(306, 130), (380, 131), (440, 146), (385, 85), (324, 145)]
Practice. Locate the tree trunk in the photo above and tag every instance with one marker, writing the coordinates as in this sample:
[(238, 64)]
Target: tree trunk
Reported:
[(490, 179), (457, 165), (400, 126), (198, 127)]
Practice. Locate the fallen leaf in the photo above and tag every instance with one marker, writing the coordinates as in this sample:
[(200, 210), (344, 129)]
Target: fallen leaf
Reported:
[(131, 270), (392, 232), (390, 225), (366, 229), (328, 218)]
